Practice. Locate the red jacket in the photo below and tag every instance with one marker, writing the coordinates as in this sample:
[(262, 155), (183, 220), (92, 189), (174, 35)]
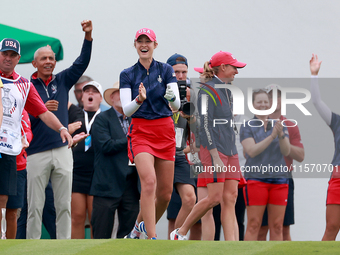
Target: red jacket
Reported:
[(26, 127)]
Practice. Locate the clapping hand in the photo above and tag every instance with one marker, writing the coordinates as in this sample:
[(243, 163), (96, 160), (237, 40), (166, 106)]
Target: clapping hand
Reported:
[(277, 130), (142, 92)]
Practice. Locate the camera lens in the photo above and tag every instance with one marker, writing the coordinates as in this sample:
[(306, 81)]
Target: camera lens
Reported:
[(188, 108)]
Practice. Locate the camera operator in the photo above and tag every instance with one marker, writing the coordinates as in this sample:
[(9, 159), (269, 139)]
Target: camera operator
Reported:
[(183, 196)]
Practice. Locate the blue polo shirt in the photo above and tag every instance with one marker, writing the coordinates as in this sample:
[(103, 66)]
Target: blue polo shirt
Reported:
[(269, 166), (155, 81)]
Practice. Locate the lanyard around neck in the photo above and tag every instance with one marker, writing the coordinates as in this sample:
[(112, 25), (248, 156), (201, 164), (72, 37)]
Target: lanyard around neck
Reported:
[(87, 124)]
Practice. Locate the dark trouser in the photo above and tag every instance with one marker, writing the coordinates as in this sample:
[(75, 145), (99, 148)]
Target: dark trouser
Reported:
[(104, 208), (48, 217), (240, 209), (217, 219)]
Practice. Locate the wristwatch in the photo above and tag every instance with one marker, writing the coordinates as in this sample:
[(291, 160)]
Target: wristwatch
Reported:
[(172, 99), (62, 129), (137, 101), (283, 136)]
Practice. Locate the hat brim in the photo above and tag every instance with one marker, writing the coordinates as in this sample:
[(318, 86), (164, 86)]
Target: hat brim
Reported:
[(88, 85), (199, 69), (238, 64), (9, 49), (107, 94), (149, 36)]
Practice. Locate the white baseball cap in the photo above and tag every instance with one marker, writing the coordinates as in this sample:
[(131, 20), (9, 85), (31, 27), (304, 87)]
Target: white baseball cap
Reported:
[(96, 85)]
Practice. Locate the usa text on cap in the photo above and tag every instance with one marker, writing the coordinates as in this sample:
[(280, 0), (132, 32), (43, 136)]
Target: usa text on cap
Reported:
[(10, 44), (148, 32)]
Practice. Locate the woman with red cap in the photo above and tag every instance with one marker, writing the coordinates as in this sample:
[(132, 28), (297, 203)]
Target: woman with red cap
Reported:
[(218, 154), (146, 89)]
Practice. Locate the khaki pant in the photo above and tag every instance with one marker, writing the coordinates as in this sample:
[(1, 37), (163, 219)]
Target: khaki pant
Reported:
[(56, 164)]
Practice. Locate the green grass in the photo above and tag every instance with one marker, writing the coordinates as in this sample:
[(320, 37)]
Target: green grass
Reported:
[(141, 247)]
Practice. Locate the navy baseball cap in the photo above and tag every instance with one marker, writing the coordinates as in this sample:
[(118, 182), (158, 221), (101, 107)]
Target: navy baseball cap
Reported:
[(173, 60), (10, 44)]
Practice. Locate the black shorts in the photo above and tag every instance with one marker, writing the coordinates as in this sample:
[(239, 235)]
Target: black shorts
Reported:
[(182, 171), (182, 175), (15, 202), (289, 218), (82, 179), (8, 175), (174, 206)]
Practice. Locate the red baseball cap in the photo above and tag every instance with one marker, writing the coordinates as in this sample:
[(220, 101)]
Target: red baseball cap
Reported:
[(225, 58), (199, 69), (148, 32)]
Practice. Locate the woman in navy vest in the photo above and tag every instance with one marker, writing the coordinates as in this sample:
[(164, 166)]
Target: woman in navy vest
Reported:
[(265, 143), (146, 90)]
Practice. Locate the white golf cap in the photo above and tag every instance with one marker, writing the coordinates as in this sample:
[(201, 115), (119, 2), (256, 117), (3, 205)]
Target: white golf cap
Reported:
[(96, 85)]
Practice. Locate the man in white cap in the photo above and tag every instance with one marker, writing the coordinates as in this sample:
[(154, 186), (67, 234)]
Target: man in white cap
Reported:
[(83, 157)]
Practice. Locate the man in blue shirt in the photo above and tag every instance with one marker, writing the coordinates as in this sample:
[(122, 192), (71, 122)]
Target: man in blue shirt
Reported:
[(49, 157)]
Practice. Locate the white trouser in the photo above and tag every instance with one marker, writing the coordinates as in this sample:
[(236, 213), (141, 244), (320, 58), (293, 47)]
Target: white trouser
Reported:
[(56, 164)]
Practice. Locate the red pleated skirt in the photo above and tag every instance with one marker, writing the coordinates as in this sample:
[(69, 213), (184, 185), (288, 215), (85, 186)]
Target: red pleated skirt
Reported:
[(156, 137)]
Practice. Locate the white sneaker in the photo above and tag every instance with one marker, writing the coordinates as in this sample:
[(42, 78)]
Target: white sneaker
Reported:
[(174, 235), (142, 230), (134, 234)]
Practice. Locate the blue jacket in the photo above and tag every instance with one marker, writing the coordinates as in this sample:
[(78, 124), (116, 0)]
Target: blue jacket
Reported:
[(222, 136), (45, 138)]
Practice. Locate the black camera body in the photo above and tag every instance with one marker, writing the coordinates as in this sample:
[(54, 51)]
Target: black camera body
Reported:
[(187, 107)]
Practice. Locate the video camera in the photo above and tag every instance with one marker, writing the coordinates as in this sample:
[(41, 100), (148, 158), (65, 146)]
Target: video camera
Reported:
[(187, 107)]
